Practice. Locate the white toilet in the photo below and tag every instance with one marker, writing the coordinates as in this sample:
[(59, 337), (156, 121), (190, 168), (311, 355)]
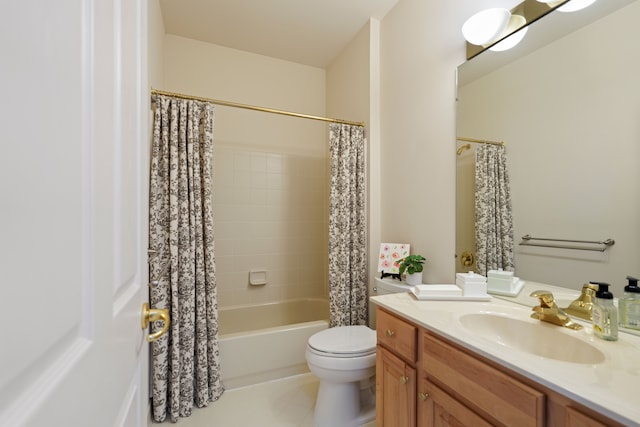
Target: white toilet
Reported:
[(344, 359)]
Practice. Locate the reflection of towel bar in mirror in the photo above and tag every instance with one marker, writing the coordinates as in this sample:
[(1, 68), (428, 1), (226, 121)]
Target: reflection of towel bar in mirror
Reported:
[(526, 241)]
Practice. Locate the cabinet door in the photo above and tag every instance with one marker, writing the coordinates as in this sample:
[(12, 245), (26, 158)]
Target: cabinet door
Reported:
[(395, 391), (575, 418), (436, 408), (494, 394)]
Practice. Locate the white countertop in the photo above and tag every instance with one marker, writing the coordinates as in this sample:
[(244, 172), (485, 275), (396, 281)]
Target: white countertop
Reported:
[(611, 387)]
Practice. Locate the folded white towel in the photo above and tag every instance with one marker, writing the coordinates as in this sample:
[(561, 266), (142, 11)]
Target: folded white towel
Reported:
[(437, 291)]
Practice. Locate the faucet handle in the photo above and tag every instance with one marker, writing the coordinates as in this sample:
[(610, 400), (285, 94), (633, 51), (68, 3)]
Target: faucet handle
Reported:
[(545, 297), (589, 286), (582, 307)]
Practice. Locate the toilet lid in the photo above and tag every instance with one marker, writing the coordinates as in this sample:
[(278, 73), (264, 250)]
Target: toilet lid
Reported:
[(350, 340)]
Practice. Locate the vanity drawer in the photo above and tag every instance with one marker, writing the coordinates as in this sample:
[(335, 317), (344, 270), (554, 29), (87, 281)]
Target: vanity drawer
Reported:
[(483, 388), (397, 335), (575, 418)]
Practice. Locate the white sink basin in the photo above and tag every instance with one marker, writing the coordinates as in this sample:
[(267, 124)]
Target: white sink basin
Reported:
[(538, 338)]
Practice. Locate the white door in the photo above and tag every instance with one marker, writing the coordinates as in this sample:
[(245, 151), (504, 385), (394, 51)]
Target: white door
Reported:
[(73, 178)]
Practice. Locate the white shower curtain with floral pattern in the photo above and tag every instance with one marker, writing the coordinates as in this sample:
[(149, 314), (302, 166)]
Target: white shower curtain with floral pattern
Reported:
[(186, 361), (348, 287), (494, 218)]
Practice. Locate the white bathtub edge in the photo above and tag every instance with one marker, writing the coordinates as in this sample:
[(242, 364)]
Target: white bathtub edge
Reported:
[(265, 355)]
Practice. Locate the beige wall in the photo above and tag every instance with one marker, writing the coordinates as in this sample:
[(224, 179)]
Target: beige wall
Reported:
[(353, 84), (155, 39), (155, 29), (213, 71), (270, 171), (421, 46)]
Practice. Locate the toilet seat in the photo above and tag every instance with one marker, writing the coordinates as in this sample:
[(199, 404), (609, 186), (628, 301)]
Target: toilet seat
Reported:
[(343, 341)]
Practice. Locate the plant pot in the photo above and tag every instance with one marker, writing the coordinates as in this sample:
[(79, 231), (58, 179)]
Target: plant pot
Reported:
[(414, 279)]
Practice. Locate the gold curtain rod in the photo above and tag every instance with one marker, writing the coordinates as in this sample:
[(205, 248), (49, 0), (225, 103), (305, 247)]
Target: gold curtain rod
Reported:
[(480, 141), (255, 108)]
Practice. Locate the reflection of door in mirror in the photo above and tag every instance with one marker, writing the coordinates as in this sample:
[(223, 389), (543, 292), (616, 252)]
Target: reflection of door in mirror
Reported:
[(569, 113), (465, 210)]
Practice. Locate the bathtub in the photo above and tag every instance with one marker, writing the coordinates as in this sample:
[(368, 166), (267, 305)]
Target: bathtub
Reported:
[(267, 341)]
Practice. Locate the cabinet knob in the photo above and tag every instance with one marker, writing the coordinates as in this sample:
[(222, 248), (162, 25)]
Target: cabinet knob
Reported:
[(390, 333), (423, 396), (404, 379)]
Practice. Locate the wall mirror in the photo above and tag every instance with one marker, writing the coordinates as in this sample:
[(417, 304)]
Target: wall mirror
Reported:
[(566, 103)]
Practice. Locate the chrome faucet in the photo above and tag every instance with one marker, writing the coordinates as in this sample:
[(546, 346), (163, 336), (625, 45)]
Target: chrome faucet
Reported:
[(548, 311), (583, 306)]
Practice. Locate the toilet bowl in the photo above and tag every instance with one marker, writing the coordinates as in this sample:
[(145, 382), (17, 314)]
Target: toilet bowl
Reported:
[(342, 358)]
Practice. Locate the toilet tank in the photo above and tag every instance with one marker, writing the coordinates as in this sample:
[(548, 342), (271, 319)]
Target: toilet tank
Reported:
[(390, 286)]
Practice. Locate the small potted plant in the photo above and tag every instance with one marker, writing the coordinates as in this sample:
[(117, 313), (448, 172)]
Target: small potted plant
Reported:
[(413, 265)]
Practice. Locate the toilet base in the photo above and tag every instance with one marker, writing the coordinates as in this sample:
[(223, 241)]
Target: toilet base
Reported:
[(339, 404)]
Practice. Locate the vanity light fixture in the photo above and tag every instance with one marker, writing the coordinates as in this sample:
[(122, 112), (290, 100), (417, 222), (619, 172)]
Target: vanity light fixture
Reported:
[(516, 22), (570, 6), (486, 26)]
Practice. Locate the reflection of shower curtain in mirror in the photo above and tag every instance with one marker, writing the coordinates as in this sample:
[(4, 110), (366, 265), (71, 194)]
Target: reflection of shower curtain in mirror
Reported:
[(494, 218), (348, 284), (185, 363)]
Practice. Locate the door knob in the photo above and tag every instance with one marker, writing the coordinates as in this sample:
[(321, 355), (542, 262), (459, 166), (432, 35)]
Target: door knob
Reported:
[(152, 315)]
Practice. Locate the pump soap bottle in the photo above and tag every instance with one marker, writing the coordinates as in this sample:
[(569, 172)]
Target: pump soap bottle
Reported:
[(605, 314), (630, 305)]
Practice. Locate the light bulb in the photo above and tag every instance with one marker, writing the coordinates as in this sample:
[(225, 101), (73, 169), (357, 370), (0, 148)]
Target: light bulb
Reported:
[(575, 5), (571, 6), (486, 26), (517, 31)]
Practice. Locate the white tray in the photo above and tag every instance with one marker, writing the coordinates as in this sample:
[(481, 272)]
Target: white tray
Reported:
[(513, 293), (485, 297)]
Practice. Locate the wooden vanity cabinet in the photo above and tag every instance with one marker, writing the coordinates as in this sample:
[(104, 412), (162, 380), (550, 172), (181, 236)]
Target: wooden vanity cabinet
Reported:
[(397, 335), (575, 418), (490, 392), (484, 390), (437, 408), (562, 411), (396, 373), (395, 391), (425, 380)]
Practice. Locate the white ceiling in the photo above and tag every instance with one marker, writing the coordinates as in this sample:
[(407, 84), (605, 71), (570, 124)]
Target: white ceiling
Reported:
[(303, 31)]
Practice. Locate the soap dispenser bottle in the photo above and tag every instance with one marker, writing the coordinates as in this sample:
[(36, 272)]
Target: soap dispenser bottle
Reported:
[(630, 305), (605, 314)]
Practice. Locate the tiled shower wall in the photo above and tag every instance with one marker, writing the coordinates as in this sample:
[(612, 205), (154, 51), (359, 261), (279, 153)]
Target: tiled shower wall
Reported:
[(270, 213)]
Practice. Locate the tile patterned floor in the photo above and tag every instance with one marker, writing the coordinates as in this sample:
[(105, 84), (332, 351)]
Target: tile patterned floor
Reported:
[(287, 402)]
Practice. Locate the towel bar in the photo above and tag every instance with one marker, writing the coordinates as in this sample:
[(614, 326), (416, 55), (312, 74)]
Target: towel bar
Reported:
[(604, 244)]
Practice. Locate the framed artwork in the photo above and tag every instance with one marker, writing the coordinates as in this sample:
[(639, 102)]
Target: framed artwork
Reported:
[(390, 254)]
